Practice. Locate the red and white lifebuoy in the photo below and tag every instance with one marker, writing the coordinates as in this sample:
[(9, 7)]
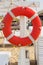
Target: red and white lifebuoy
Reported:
[(36, 22)]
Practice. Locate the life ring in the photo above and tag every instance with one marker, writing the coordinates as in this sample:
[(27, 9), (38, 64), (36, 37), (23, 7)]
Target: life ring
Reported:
[(35, 20)]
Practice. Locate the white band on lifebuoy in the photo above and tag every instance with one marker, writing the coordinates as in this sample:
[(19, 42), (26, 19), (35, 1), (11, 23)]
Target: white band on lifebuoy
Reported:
[(31, 38), (34, 16), (10, 36), (11, 13)]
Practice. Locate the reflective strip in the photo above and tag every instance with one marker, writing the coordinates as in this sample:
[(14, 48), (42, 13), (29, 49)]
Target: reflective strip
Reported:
[(11, 13), (32, 39), (10, 36), (34, 16)]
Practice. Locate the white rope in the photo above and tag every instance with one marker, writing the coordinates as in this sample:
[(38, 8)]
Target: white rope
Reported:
[(10, 36)]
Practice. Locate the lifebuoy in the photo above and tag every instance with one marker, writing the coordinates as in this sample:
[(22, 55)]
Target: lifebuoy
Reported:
[(35, 20)]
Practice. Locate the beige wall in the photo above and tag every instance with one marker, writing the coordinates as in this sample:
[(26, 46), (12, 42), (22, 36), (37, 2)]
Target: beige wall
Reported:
[(15, 53)]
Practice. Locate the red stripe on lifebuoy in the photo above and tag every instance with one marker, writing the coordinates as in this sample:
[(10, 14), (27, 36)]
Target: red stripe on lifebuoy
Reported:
[(20, 11)]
